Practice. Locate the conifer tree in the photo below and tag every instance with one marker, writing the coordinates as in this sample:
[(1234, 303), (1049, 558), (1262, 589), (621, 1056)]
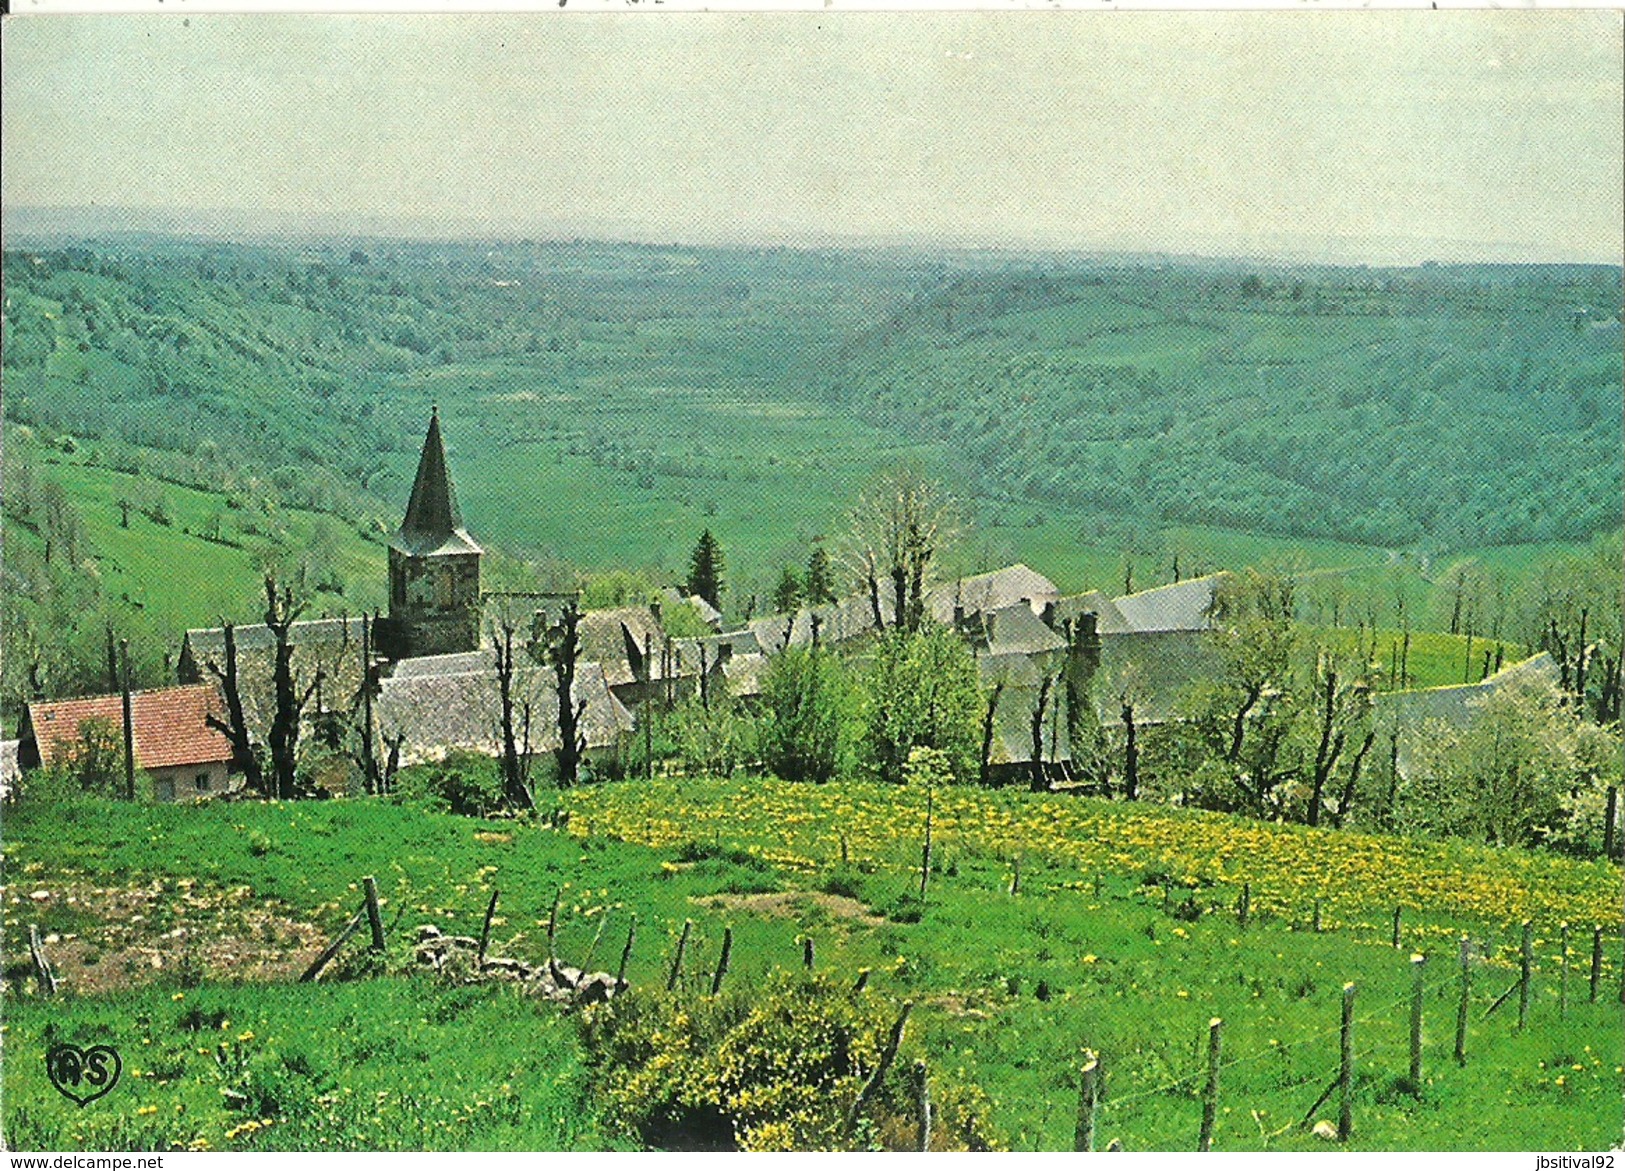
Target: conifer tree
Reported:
[(705, 570), (787, 594), (820, 581)]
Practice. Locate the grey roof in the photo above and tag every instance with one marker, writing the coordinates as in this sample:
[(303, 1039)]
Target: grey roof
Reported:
[(841, 621), (1013, 729), (1109, 618), (745, 674), (331, 645), (991, 591), (1185, 605), (1155, 668), (463, 710), (1013, 629), (433, 525), (9, 769), (210, 642), (616, 638), (1413, 713), (1013, 670), (455, 664)]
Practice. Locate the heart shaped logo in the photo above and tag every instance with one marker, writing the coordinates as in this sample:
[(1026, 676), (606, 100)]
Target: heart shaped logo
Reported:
[(83, 1074)]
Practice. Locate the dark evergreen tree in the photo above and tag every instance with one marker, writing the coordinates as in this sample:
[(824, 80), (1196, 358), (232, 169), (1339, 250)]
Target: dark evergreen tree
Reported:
[(787, 594), (705, 570), (819, 587)]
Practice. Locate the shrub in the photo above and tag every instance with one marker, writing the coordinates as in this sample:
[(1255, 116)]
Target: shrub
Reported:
[(464, 783), (805, 698), (774, 1068)]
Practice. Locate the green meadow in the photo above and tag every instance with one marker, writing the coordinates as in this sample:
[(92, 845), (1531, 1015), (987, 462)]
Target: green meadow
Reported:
[(1128, 945)]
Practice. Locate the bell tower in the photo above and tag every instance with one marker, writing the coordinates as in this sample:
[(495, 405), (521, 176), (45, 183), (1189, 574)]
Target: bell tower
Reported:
[(434, 567)]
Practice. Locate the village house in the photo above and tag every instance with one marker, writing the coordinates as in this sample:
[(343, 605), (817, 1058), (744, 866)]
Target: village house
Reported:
[(174, 744)]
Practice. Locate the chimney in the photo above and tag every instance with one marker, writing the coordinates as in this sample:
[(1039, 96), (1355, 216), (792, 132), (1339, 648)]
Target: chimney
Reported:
[(959, 618), (725, 651), (1049, 615), (654, 609), (1088, 644)]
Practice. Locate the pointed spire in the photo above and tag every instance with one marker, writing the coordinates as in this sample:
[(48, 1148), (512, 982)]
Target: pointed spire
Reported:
[(433, 521)]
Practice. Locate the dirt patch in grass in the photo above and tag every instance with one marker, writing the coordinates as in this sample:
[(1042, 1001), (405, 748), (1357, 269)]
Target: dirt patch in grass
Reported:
[(796, 904), (104, 938)]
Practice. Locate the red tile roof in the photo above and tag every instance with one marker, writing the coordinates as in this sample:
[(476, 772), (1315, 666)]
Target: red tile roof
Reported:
[(170, 726)]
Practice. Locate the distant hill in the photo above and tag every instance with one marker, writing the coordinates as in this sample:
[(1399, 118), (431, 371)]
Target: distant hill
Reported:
[(1451, 406)]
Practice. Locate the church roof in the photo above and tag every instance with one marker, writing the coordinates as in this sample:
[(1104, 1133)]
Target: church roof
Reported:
[(433, 524)]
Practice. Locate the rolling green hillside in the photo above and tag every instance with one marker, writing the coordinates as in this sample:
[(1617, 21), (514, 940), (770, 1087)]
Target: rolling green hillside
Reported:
[(1105, 423)]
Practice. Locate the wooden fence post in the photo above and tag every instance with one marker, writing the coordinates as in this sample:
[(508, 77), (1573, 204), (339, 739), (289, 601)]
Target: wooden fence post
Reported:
[(1210, 1095), (1525, 959), (1418, 991), (1083, 1136), (677, 960), (925, 850), (626, 954), (44, 978), (1461, 1010), (922, 1102), (375, 918), (485, 927), (552, 936), (1563, 973), (326, 957), (807, 956), (1345, 1071), (887, 1056), (1397, 912), (1015, 877), (1610, 822), (722, 964), (1317, 915), (1596, 961)]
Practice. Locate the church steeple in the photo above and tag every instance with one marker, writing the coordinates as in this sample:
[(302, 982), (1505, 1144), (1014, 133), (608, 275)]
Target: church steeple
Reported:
[(433, 523), (434, 567)]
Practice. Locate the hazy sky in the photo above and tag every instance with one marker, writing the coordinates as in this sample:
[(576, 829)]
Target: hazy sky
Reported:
[(1391, 135)]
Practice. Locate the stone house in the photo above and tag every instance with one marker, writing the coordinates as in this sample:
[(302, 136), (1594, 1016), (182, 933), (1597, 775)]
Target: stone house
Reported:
[(173, 741)]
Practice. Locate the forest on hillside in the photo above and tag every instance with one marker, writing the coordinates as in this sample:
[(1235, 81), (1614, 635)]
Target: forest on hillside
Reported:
[(1453, 406)]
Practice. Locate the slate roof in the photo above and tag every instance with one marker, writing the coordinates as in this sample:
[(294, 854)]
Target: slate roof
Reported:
[(615, 638), (1156, 667), (455, 664), (1109, 619), (1185, 605), (462, 709), (1013, 730), (1412, 712), (433, 525), (170, 726), (331, 645), (744, 674), (1014, 629), (10, 772), (841, 621), (991, 591), (204, 644)]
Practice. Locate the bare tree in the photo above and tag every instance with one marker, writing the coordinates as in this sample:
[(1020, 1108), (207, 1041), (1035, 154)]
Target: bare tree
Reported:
[(562, 651), (989, 727), (1341, 708), (516, 792), (281, 612), (1040, 781), (235, 727), (901, 524)]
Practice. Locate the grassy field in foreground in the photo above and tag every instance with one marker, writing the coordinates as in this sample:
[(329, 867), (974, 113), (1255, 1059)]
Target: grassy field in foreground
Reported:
[(1122, 938)]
